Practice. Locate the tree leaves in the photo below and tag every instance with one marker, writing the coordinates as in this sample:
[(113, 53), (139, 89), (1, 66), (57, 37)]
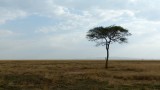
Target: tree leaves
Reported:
[(110, 34)]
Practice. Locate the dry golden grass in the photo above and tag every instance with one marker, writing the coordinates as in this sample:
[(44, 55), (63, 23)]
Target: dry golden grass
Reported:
[(79, 75)]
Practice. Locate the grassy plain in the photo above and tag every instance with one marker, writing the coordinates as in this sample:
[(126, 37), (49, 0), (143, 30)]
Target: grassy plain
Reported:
[(79, 75)]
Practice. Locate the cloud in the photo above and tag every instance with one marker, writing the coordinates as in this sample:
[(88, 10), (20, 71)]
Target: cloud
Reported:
[(5, 33), (72, 21), (55, 28), (11, 10), (144, 40), (143, 27), (10, 14)]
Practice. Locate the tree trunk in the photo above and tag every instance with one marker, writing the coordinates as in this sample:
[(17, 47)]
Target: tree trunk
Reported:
[(107, 49)]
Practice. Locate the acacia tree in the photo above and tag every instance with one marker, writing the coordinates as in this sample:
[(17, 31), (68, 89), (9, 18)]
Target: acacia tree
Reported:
[(106, 35)]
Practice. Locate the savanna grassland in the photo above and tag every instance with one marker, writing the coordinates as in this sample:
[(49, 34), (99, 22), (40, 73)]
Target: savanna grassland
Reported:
[(79, 75)]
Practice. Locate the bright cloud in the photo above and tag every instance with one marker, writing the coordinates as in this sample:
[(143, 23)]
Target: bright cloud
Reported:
[(10, 14)]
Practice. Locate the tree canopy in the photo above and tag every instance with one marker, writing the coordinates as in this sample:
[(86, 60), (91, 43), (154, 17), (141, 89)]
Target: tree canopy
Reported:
[(106, 35)]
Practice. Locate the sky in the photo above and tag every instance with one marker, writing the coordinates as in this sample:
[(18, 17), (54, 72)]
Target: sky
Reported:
[(56, 29)]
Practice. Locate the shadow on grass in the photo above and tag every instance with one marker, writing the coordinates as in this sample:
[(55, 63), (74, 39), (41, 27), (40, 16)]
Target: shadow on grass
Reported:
[(22, 82), (81, 84)]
